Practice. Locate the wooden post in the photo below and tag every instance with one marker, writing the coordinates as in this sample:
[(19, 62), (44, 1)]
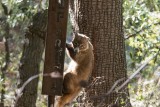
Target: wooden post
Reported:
[(55, 49), (51, 101)]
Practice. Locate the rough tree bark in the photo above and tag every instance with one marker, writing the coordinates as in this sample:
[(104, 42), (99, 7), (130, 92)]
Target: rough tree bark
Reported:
[(31, 58), (4, 69), (102, 21)]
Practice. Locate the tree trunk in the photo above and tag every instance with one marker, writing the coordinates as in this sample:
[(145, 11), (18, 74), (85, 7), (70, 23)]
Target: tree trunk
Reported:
[(30, 60), (7, 61), (102, 21)]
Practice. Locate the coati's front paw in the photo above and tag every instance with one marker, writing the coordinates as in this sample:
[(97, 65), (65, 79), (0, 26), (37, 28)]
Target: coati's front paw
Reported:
[(69, 45), (68, 83)]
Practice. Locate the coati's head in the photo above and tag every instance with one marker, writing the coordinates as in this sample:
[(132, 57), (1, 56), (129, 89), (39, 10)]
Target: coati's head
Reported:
[(81, 46), (80, 42)]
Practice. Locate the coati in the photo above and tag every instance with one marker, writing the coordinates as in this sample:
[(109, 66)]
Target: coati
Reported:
[(79, 70)]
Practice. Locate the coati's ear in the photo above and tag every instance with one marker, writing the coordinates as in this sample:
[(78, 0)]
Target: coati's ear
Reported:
[(92, 47), (88, 38)]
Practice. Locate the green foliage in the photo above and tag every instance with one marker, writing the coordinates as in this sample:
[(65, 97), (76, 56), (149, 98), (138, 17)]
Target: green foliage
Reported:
[(22, 11), (142, 33)]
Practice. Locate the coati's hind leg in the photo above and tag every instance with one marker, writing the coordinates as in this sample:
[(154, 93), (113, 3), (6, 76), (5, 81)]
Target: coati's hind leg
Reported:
[(68, 83), (65, 99), (62, 101), (84, 83)]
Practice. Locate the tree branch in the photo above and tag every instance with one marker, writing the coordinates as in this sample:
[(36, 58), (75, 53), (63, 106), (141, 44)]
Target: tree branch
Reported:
[(110, 91), (19, 92), (135, 73), (134, 34), (126, 82)]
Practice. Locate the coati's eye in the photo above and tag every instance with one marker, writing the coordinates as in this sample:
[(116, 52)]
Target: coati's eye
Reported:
[(75, 44)]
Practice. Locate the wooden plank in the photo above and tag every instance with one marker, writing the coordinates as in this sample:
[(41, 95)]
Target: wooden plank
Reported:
[(51, 100), (55, 47)]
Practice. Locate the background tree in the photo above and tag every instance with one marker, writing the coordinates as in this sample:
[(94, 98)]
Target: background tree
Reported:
[(31, 59), (102, 21), (142, 36), (5, 41), (17, 23)]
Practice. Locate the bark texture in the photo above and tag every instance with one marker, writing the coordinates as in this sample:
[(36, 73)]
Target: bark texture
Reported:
[(102, 21), (31, 58), (5, 67)]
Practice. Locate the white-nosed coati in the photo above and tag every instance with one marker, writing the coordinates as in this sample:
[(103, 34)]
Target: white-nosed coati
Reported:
[(79, 70)]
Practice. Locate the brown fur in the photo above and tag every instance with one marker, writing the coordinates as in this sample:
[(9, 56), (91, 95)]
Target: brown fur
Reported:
[(80, 68)]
